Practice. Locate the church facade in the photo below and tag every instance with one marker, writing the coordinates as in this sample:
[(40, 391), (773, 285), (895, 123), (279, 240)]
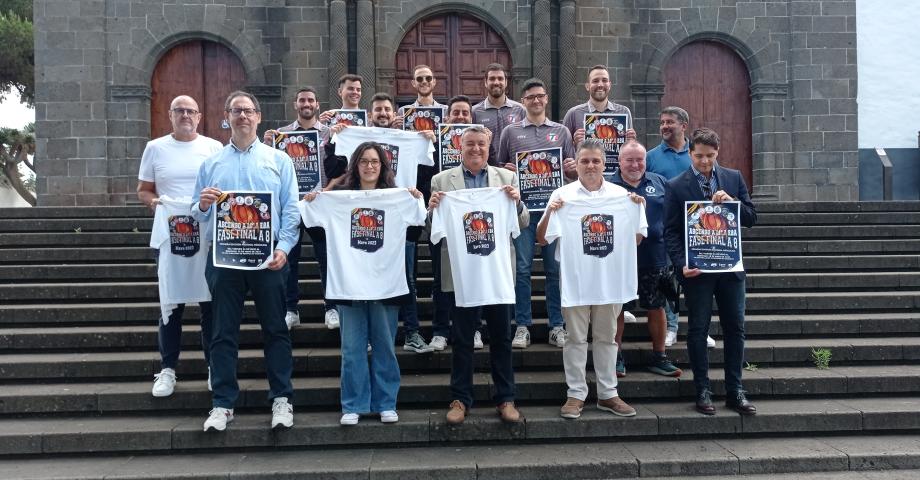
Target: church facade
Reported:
[(777, 79)]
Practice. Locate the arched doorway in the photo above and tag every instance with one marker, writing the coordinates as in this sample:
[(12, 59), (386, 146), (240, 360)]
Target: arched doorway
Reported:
[(711, 82), (457, 47), (207, 71)]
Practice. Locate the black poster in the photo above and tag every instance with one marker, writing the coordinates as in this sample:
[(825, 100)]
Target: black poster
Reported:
[(243, 230), (597, 235), (353, 117), (367, 229), (303, 148), (712, 232), (449, 141), (539, 173), (479, 232), (609, 128), (419, 119)]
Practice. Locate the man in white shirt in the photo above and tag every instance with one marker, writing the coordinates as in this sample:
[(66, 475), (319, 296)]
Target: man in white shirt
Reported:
[(579, 313), (169, 167), (476, 173)]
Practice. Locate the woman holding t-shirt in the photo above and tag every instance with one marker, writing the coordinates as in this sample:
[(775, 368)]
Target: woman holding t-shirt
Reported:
[(368, 388)]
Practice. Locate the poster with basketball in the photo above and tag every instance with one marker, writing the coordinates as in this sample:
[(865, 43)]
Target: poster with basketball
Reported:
[(597, 235), (419, 119), (353, 117), (303, 148), (449, 141), (712, 232), (243, 237), (609, 128), (367, 229), (539, 173)]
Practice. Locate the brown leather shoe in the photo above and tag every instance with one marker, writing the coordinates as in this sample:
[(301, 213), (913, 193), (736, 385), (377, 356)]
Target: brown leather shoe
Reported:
[(508, 413), (572, 408), (457, 413), (616, 406)]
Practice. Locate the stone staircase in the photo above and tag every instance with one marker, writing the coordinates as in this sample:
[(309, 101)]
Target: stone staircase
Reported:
[(78, 309)]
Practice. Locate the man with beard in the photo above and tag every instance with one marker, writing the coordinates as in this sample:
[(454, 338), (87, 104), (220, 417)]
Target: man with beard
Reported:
[(306, 106), (497, 111), (598, 87)]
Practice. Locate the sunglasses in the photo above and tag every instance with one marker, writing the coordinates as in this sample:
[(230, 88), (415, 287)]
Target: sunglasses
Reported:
[(426, 78)]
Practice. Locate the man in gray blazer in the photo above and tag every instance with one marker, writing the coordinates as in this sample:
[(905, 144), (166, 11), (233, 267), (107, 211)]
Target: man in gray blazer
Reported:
[(475, 172)]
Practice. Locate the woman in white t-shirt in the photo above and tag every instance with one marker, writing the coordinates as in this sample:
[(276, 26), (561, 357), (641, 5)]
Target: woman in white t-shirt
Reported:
[(368, 324)]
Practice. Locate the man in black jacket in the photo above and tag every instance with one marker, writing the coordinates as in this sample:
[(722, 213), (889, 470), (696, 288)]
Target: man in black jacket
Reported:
[(706, 180)]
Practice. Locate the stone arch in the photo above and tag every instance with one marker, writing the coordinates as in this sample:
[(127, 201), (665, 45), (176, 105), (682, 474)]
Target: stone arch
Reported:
[(394, 26), (656, 54)]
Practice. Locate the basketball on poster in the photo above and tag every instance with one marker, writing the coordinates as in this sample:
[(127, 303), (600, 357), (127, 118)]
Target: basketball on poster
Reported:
[(713, 236), (243, 230)]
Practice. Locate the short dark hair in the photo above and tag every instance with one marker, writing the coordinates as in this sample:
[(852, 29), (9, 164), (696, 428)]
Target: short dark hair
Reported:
[(595, 144), (458, 98), (679, 113), (532, 83), (598, 67), (350, 77), (240, 93), (494, 67), (383, 97), (704, 136), (307, 89), (421, 66)]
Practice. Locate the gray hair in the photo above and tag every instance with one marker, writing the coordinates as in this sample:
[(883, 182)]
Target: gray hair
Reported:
[(681, 114), (474, 129), (591, 144)]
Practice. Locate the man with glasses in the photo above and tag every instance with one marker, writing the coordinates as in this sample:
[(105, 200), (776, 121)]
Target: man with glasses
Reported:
[(246, 164), (496, 111), (536, 132), (169, 166)]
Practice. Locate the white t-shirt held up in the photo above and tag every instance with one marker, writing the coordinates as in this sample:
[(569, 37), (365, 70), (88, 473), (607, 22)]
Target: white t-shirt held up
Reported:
[(405, 150)]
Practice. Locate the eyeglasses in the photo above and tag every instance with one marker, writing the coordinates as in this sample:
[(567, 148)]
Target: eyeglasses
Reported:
[(369, 163), (236, 112), (426, 78), (185, 111), (536, 96)]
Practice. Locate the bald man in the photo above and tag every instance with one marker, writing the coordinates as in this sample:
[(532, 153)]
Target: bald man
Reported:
[(169, 167)]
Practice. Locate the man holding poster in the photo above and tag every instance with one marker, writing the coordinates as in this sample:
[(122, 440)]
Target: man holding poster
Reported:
[(536, 147), (707, 181), (255, 185)]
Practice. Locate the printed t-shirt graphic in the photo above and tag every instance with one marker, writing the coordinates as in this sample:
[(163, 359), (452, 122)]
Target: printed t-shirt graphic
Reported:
[(407, 149), (182, 255), (597, 260), (478, 224), (366, 240)]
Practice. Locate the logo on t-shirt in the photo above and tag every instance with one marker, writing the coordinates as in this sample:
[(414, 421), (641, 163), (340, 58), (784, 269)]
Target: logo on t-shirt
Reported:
[(512, 118), (184, 236), (392, 152), (552, 137), (597, 235), (367, 229), (479, 231)]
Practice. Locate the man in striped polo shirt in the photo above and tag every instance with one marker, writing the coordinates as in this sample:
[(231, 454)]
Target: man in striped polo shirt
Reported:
[(496, 111), (598, 87), (536, 132)]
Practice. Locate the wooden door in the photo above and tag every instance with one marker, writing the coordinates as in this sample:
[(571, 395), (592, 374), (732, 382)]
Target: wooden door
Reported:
[(206, 71), (711, 82), (457, 48)]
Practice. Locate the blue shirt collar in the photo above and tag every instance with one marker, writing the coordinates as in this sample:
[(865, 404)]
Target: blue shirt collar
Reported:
[(665, 146)]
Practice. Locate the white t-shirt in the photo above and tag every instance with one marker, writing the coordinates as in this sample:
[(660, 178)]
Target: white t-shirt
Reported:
[(173, 165), (366, 240), (183, 255), (406, 150), (478, 224), (596, 245)]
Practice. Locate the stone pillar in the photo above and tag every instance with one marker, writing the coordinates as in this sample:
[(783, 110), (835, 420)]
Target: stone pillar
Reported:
[(367, 66), (770, 146), (542, 45), (568, 82), (338, 48), (647, 99)]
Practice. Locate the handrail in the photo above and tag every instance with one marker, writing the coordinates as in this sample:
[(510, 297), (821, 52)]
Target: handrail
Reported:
[(887, 174)]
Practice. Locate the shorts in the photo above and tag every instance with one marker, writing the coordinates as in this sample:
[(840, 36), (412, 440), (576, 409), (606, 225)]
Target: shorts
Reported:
[(650, 294)]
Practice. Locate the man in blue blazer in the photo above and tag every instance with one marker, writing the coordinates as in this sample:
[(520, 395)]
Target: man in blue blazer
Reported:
[(706, 180)]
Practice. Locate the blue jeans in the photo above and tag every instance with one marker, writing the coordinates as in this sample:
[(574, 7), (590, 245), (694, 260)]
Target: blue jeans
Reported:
[(524, 246), (366, 388), (671, 316), (408, 313), (498, 321), (292, 295), (169, 336), (228, 291), (728, 291)]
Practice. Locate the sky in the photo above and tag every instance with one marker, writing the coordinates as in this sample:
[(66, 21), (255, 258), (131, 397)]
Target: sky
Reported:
[(14, 114)]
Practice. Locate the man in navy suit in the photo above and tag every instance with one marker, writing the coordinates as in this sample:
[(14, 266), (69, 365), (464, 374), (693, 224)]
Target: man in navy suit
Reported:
[(706, 180)]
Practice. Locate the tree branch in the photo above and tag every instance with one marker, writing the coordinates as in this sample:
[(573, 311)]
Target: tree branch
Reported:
[(11, 172)]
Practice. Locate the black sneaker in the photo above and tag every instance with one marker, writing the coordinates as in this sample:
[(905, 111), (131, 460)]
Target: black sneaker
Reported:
[(415, 343)]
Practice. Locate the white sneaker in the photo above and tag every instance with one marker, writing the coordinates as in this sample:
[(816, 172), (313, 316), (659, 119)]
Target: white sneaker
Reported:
[(477, 340), (670, 338), (388, 416), (557, 336), (521, 338), (282, 413), (209, 380), (351, 419), (291, 319), (629, 318), (440, 343), (710, 342), (218, 419), (332, 319), (164, 383)]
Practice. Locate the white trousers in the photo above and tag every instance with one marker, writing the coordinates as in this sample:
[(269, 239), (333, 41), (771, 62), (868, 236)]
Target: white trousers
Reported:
[(603, 322)]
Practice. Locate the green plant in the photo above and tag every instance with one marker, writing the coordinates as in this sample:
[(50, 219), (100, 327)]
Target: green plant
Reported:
[(821, 357), (751, 367)]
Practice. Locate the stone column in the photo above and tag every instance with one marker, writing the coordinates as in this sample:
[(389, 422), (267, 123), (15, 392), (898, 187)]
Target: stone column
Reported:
[(568, 82), (542, 45), (338, 47), (647, 99), (367, 66), (770, 145)]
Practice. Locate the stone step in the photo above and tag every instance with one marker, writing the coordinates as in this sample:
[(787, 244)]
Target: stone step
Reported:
[(839, 207), (804, 457), (75, 212), (149, 434), (831, 232), (839, 218), (114, 226)]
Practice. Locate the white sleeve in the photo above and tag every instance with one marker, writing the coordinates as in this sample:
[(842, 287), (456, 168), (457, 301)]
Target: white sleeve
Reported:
[(413, 212), (554, 227), (438, 223), (641, 221), (515, 228), (147, 172), (428, 158), (312, 212)]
